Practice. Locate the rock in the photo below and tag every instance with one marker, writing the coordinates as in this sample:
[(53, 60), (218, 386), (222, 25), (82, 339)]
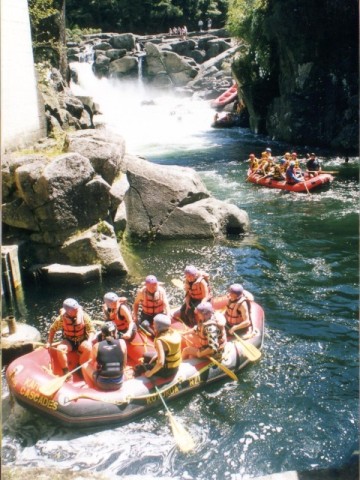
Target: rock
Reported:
[(205, 219), (124, 67), (117, 192), (57, 273), (124, 41), (168, 202), (96, 245), (18, 214), (105, 150), (101, 65), (17, 339), (120, 219)]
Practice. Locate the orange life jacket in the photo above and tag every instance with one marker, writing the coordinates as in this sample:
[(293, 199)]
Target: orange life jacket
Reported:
[(194, 288), (153, 303), (120, 320), (74, 330), (233, 314)]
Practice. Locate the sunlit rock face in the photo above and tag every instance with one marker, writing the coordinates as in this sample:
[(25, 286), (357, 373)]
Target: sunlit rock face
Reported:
[(310, 95), (172, 202)]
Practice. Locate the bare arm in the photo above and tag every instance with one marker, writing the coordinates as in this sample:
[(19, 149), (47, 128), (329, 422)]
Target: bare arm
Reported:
[(137, 301), (160, 360)]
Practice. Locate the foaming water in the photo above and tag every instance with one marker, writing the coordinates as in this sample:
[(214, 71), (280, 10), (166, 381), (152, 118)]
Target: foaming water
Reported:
[(151, 121)]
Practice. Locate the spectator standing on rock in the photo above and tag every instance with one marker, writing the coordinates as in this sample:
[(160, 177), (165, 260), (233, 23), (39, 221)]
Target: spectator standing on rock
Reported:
[(201, 24), (209, 24)]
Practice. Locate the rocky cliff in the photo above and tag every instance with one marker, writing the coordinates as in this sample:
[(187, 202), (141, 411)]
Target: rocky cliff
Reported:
[(309, 93)]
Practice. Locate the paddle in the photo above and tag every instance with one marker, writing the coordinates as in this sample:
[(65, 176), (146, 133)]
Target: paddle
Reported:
[(249, 350), (224, 369), (182, 438), (324, 171), (54, 385), (306, 187)]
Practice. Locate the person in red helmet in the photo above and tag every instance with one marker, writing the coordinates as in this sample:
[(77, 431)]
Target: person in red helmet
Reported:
[(153, 300)]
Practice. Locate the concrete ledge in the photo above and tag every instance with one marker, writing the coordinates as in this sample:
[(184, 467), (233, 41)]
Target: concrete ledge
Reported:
[(60, 273)]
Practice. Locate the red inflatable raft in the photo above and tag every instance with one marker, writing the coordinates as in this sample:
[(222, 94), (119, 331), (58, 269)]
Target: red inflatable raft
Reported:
[(76, 404), (228, 96), (309, 184)]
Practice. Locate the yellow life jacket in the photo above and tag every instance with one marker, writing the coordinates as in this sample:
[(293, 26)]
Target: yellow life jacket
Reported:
[(172, 339)]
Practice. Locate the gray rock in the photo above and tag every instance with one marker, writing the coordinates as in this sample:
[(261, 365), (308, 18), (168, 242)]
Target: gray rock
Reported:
[(105, 150), (96, 245), (125, 40), (124, 67), (57, 273)]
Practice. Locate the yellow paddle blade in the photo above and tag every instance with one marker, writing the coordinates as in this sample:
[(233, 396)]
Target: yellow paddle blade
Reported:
[(178, 283), (249, 350), (224, 369), (50, 388), (182, 437)]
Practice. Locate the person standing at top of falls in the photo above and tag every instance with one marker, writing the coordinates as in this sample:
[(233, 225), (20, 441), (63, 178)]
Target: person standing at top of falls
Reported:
[(196, 286), (78, 333), (313, 165), (200, 24), (108, 360), (238, 310), (153, 300), (210, 331), (117, 310), (209, 24)]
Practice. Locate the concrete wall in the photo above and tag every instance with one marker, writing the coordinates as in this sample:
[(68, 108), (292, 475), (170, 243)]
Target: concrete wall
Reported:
[(22, 115)]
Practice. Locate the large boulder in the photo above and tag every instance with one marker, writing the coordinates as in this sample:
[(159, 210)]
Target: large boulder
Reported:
[(105, 150), (126, 66), (125, 41), (65, 193), (98, 244), (169, 202), (158, 62)]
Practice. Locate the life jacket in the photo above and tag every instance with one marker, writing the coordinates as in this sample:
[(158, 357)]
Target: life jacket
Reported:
[(219, 332), (277, 171), (233, 314), (194, 288), (110, 358), (172, 339), (153, 303), (119, 319), (74, 329), (254, 164)]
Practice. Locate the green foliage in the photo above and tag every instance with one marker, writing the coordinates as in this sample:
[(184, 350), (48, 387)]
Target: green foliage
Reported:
[(44, 21), (76, 33)]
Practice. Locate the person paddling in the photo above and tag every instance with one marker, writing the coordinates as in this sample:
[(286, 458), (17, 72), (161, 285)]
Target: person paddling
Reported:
[(165, 363), (210, 331), (196, 286), (78, 333), (108, 360), (153, 300), (116, 309), (237, 314), (313, 165)]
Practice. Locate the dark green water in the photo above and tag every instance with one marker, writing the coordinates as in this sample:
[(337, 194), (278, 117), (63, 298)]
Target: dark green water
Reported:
[(297, 408)]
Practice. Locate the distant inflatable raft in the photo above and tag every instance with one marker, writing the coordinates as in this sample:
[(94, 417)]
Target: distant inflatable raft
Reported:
[(227, 97), (310, 183)]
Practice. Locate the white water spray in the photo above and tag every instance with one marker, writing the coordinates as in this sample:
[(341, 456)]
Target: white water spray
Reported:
[(151, 121)]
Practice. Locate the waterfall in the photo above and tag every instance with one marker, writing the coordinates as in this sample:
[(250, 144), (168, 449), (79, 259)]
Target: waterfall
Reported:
[(151, 121)]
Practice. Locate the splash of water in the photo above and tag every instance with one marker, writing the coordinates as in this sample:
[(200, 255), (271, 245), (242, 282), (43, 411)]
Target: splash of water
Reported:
[(151, 121)]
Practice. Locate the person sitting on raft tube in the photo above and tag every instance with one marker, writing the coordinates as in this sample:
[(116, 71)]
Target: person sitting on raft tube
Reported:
[(116, 309), (313, 165), (210, 331), (167, 344), (196, 288), (153, 300), (237, 314), (108, 359), (291, 176), (78, 333)]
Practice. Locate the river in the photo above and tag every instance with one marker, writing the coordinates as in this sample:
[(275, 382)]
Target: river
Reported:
[(297, 408)]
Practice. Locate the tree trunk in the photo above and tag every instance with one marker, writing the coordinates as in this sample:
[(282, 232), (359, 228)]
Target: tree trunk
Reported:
[(63, 64)]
